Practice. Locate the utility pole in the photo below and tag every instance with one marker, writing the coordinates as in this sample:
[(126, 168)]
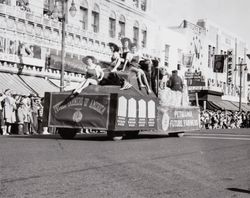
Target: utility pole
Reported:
[(240, 65)]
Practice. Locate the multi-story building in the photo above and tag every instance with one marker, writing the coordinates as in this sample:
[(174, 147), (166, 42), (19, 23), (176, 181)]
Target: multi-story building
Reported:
[(31, 38), (211, 59)]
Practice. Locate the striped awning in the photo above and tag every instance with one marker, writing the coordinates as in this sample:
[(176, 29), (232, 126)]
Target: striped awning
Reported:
[(245, 107), (39, 84), (14, 83)]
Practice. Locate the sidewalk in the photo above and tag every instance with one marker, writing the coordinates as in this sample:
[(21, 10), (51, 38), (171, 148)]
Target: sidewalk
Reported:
[(242, 131)]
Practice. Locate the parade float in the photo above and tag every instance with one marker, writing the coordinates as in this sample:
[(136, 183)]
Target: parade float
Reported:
[(119, 112)]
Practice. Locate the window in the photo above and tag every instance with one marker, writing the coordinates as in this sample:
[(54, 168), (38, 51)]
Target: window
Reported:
[(136, 32), (122, 26), (7, 2), (144, 37), (48, 7), (143, 5), (167, 47), (180, 56), (95, 18), (136, 3), (112, 25), (84, 17), (84, 14), (24, 5)]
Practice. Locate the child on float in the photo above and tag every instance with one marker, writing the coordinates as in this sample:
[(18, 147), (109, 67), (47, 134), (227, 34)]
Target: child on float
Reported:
[(134, 57), (94, 74)]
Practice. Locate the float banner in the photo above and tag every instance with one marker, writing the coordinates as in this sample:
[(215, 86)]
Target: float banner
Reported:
[(88, 111), (177, 119)]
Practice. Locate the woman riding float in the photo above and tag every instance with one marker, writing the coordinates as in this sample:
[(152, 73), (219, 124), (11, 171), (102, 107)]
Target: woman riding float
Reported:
[(93, 75)]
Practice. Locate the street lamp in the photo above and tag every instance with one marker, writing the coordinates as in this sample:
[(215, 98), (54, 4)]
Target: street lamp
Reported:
[(72, 11), (241, 64)]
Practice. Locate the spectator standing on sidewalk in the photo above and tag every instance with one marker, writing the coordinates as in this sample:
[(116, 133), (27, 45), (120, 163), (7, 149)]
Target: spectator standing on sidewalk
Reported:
[(21, 116), (9, 110), (28, 117), (34, 114), (2, 125)]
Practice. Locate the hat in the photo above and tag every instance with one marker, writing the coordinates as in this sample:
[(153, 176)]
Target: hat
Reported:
[(32, 95), (7, 91), (116, 48), (89, 57), (123, 40)]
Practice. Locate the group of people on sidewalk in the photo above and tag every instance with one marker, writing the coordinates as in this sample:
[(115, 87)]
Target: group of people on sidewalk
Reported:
[(224, 119), (20, 114)]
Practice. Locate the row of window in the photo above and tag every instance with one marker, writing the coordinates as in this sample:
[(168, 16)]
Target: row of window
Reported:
[(142, 4), (95, 22)]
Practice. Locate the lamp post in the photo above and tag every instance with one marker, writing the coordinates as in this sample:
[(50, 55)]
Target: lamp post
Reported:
[(72, 12), (240, 65)]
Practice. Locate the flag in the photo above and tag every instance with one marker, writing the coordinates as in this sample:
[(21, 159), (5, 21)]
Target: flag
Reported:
[(219, 63)]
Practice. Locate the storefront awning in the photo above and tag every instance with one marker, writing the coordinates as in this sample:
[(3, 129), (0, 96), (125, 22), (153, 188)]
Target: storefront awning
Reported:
[(245, 107), (68, 85), (39, 85), (221, 105), (14, 83)]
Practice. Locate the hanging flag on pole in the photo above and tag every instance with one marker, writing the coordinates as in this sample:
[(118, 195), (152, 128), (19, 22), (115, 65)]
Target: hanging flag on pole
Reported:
[(219, 63)]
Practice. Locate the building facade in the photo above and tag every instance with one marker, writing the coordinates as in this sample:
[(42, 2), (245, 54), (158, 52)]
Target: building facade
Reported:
[(214, 63), (31, 35)]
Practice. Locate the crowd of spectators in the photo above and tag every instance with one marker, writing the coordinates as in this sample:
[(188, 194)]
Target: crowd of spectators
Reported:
[(224, 119), (20, 114)]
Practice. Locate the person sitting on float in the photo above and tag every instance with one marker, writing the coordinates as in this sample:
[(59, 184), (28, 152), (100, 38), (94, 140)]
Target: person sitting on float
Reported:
[(94, 74), (115, 58), (126, 50), (134, 58)]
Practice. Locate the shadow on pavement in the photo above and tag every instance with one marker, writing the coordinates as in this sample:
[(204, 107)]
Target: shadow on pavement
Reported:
[(89, 137), (239, 190)]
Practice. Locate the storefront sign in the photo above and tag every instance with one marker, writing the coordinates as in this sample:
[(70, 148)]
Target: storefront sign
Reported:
[(22, 60), (229, 66), (195, 79), (193, 75), (70, 65)]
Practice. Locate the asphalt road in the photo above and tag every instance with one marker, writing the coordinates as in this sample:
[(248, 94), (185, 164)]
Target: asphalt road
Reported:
[(214, 164)]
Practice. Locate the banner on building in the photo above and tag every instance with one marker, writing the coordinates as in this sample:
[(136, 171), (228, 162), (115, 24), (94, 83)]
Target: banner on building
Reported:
[(219, 63), (71, 64), (188, 60)]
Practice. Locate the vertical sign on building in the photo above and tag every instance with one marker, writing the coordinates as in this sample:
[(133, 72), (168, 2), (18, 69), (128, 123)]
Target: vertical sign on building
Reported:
[(229, 66), (209, 56)]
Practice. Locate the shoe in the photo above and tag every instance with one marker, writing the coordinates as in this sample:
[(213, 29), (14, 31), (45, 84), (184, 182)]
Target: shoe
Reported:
[(149, 91), (126, 85), (45, 133)]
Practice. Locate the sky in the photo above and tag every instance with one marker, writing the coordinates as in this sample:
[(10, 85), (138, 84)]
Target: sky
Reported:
[(233, 15)]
